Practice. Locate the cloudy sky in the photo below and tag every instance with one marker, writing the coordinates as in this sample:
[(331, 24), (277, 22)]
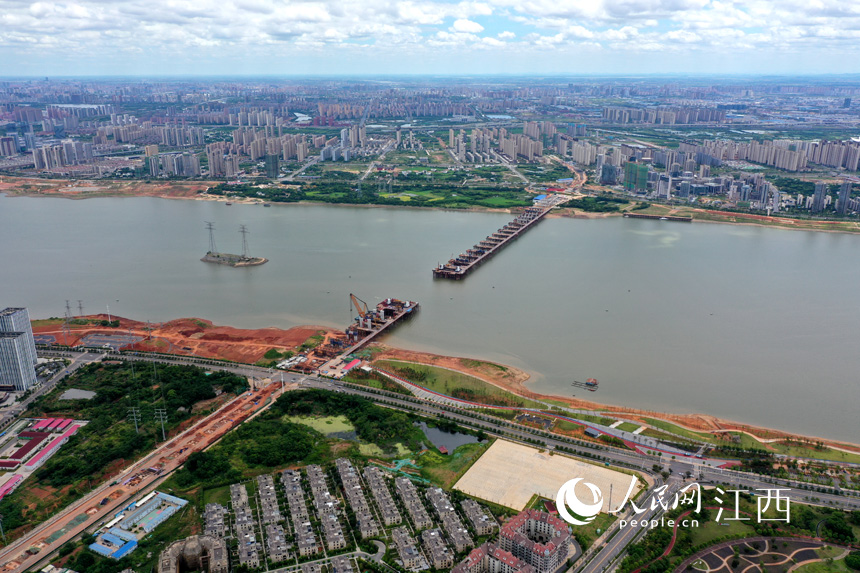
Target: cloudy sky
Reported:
[(172, 37)]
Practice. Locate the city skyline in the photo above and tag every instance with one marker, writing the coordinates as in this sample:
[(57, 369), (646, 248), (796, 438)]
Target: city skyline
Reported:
[(261, 37)]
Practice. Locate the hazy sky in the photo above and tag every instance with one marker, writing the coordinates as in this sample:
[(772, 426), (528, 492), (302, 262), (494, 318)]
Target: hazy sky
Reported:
[(167, 37)]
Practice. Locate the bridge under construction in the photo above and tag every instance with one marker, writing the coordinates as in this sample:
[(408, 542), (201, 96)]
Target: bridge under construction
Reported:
[(458, 267)]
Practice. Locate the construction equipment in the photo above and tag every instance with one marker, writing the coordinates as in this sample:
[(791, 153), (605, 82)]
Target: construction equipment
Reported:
[(359, 305)]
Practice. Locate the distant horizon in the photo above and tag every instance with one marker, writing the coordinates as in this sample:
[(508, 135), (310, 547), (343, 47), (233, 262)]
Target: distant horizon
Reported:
[(449, 37), (359, 76)]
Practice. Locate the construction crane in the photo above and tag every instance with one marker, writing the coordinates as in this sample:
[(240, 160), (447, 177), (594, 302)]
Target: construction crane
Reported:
[(359, 305)]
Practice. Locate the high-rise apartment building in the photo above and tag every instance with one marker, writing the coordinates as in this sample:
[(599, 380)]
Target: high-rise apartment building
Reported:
[(17, 350), (844, 195), (819, 197), (272, 166)]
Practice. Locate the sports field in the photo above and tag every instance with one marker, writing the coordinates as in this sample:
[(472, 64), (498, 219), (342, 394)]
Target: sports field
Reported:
[(510, 474)]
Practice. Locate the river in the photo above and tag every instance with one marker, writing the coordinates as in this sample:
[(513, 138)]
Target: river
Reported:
[(752, 324)]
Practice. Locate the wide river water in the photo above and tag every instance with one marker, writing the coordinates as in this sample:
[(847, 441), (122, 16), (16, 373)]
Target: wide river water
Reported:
[(747, 323)]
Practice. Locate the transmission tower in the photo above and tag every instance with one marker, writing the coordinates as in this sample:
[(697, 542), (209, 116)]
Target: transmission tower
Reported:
[(161, 416), (80, 307), (244, 230), (134, 414), (211, 228), (68, 310)]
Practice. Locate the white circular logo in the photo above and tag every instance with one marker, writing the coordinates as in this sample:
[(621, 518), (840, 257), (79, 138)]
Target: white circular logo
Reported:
[(583, 513)]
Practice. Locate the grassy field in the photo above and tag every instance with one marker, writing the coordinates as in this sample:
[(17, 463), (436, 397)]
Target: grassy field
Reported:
[(652, 433), (837, 566), (674, 429), (707, 532), (812, 452), (372, 450), (455, 384), (628, 426), (217, 495), (326, 425), (446, 470)]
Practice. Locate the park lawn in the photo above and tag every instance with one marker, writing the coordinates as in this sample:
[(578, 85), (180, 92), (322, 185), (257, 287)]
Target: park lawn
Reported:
[(325, 425), (829, 551), (806, 452), (674, 429), (838, 566), (708, 532), (797, 450), (627, 426), (446, 470), (600, 420), (566, 426), (447, 382), (652, 433)]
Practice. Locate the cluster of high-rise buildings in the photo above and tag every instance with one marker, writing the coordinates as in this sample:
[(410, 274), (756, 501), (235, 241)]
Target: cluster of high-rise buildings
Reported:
[(172, 164), (753, 188), (789, 155), (67, 153), (17, 350), (485, 142), (664, 115)]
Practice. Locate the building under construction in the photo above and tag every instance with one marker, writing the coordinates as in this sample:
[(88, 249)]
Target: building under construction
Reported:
[(460, 266)]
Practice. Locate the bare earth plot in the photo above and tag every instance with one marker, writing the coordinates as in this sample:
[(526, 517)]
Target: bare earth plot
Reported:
[(510, 474)]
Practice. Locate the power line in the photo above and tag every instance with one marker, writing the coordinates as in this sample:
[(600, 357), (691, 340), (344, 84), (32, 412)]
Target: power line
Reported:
[(161, 416), (244, 230), (134, 414), (210, 226)]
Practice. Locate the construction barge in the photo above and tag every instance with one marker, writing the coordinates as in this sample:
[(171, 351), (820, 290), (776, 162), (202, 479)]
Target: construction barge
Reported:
[(371, 323), (459, 267)]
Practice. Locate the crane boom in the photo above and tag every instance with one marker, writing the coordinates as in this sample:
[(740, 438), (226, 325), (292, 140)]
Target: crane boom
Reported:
[(359, 305)]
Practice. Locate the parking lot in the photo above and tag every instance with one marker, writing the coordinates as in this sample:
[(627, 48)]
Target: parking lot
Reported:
[(114, 341)]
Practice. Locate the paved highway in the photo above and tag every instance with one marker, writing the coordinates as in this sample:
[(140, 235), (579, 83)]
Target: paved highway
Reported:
[(615, 456)]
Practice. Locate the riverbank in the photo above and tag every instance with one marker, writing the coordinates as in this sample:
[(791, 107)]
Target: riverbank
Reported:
[(183, 336), (87, 189), (515, 381), (198, 337)]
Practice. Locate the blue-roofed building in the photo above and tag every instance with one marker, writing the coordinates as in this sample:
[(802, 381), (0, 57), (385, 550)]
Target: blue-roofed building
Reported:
[(125, 550), (113, 539), (102, 549), (121, 536)]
